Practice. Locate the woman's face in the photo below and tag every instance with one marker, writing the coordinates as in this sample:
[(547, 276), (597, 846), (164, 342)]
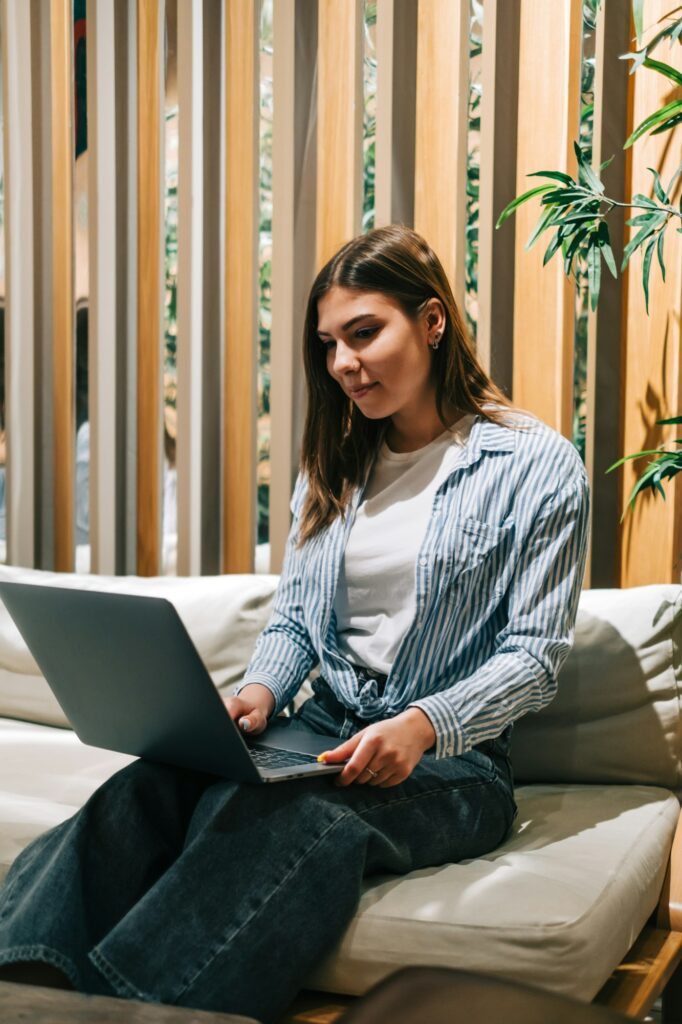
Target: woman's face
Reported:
[(379, 357)]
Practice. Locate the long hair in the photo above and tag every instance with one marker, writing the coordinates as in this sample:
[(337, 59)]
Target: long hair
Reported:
[(339, 442)]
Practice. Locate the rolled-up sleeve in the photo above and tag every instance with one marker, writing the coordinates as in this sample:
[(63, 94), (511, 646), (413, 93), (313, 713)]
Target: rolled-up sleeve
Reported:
[(521, 675), (284, 654)]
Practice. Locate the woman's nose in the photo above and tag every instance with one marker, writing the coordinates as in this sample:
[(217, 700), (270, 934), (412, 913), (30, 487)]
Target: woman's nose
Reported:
[(344, 359)]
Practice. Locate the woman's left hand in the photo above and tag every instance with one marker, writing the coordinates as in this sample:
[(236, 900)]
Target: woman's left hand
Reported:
[(391, 749)]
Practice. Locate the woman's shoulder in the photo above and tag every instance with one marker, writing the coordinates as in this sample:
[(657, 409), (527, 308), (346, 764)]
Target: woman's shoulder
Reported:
[(542, 452)]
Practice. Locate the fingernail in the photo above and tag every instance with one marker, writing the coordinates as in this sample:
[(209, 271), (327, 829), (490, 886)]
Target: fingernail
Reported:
[(322, 758), (245, 724)]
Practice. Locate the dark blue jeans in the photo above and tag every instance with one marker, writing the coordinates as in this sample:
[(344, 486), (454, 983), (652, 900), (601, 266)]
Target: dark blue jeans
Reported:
[(180, 887)]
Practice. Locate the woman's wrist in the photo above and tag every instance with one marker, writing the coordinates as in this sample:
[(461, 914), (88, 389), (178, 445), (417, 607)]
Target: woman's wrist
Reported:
[(421, 723), (261, 695)]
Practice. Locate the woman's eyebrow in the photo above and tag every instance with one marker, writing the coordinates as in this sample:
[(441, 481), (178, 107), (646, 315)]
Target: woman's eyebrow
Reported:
[(350, 323)]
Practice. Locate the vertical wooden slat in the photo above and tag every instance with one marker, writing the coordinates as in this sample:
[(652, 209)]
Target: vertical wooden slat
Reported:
[(19, 282), (241, 284), (339, 125), (61, 29), (125, 46), (653, 350), (190, 290), (605, 326), (41, 102), (213, 291), (293, 247), (499, 118), (150, 14), (396, 50), (103, 329), (441, 133), (544, 298)]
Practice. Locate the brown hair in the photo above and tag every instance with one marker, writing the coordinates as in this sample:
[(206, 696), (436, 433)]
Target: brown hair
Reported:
[(339, 442)]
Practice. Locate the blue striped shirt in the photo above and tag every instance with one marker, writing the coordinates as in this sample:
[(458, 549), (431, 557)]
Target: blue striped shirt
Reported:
[(498, 578)]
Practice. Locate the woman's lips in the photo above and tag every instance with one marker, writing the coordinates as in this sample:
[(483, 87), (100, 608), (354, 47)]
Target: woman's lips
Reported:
[(359, 392)]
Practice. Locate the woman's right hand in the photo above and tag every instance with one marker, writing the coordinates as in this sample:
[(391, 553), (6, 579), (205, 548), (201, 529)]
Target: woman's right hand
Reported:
[(252, 708)]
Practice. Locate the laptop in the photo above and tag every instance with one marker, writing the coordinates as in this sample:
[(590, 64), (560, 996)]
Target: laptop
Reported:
[(128, 677)]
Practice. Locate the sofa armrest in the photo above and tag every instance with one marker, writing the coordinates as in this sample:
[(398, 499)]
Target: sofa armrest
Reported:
[(669, 914)]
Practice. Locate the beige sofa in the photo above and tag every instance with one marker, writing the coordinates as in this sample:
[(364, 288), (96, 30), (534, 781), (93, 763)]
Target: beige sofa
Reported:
[(598, 774)]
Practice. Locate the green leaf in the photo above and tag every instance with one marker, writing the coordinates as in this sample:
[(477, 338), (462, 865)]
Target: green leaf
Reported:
[(604, 241), (646, 268), (606, 163), (515, 203), (565, 196), (638, 17), (551, 248), (670, 123), (659, 251), (635, 455), (674, 419), (654, 119), (585, 172), (655, 221), (593, 274), (641, 218), (658, 188), (577, 218), (543, 223), (555, 175), (639, 197), (664, 69)]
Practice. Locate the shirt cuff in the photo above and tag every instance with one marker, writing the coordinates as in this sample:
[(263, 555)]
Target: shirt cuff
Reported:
[(278, 691), (450, 737)]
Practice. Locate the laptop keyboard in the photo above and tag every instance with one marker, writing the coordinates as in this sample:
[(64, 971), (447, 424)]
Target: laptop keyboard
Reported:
[(276, 758)]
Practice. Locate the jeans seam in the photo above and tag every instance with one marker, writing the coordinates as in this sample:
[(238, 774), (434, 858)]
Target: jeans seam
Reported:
[(118, 982), (42, 954), (254, 914)]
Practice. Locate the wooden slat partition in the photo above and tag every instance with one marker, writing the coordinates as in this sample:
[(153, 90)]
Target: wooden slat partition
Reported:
[(396, 52), (549, 97), (293, 243), (63, 367), (19, 283), (241, 284), (652, 371), (339, 125), (213, 284), (190, 285), (499, 117), (441, 133), (103, 328), (150, 14), (603, 412)]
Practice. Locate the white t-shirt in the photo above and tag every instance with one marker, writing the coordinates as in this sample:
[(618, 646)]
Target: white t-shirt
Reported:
[(375, 597)]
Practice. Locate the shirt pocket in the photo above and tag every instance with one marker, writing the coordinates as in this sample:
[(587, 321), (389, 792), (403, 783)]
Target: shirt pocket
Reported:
[(476, 560)]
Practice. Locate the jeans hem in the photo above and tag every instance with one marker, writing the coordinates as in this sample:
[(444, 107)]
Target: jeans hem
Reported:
[(41, 954), (121, 986)]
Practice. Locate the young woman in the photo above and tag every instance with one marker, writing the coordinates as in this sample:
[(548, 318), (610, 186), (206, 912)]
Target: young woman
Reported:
[(432, 572)]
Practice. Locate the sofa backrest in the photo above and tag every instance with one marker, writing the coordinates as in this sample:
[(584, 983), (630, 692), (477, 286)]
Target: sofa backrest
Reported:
[(616, 715), (222, 614)]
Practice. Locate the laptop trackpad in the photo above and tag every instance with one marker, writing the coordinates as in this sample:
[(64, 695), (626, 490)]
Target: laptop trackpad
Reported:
[(286, 734)]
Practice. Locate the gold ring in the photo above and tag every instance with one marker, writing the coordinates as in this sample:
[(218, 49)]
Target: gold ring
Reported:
[(373, 774)]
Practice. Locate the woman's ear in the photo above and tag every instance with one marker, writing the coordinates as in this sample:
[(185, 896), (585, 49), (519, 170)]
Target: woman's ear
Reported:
[(435, 316)]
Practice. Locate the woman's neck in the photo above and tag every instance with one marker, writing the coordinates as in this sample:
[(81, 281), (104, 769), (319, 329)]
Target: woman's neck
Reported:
[(403, 438)]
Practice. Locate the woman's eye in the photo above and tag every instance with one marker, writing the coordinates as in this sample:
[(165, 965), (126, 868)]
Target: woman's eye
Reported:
[(366, 332), (327, 344)]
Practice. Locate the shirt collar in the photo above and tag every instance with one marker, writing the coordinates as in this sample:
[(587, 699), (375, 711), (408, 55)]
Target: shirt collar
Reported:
[(490, 437)]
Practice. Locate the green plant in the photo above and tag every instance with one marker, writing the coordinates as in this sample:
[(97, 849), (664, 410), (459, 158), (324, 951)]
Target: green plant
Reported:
[(576, 210)]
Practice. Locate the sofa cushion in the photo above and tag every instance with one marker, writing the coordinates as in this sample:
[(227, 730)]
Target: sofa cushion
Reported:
[(557, 905), (222, 614), (616, 716)]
